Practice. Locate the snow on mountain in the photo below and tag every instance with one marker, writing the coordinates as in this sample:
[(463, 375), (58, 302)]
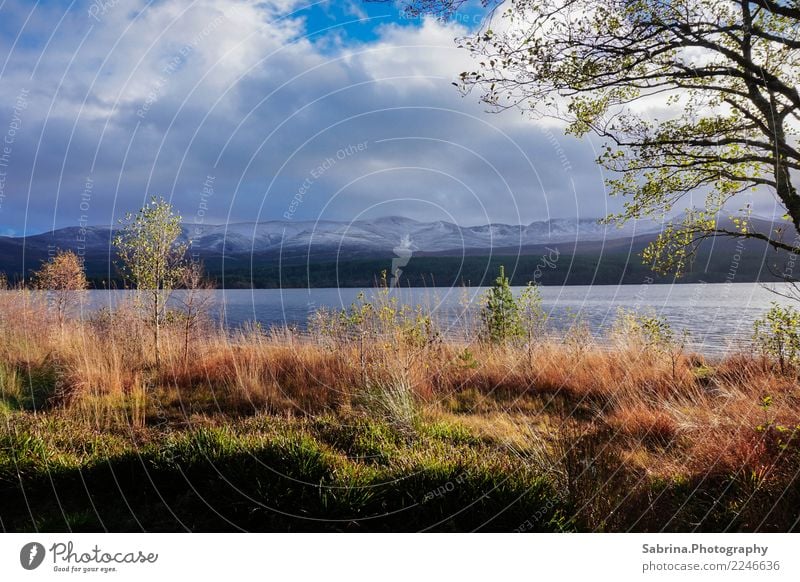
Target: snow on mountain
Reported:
[(381, 235)]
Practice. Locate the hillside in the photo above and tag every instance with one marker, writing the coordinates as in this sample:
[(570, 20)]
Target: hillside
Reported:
[(333, 254)]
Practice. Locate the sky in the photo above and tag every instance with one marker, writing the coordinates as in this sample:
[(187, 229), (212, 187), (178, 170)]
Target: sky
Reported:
[(240, 111)]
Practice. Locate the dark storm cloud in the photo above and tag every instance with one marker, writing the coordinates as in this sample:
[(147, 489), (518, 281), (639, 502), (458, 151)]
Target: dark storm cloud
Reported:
[(158, 99)]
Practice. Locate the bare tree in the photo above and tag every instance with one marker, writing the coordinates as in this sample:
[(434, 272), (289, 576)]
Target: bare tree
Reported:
[(195, 302)]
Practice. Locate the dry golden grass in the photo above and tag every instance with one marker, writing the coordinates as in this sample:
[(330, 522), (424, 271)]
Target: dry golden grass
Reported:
[(671, 412)]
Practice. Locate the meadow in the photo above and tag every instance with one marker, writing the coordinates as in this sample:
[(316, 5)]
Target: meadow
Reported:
[(372, 420)]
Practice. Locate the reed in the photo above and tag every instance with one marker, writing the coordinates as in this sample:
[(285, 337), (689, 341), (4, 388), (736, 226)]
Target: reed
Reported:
[(601, 420)]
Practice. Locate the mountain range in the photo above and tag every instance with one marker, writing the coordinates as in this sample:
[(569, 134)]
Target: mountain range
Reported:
[(332, 253), (379, 235)]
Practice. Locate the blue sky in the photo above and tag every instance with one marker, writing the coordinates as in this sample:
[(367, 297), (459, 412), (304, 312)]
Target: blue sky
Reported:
[(337, 110), (362, 18)]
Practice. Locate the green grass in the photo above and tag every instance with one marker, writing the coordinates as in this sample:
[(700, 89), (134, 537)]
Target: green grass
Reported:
[(264, 474), (269, 473), (29, 386)]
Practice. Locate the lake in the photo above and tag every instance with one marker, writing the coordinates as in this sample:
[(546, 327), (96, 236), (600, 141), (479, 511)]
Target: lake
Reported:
[(718, 317)]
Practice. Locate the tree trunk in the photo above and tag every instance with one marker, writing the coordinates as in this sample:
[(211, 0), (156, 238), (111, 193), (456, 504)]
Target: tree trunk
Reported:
[(156, 328), (187, 330)]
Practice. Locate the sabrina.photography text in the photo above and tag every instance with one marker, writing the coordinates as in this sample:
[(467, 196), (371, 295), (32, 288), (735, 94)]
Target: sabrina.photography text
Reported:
[(751, 550)]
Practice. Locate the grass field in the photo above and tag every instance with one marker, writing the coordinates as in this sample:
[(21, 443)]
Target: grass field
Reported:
[(372, 422)]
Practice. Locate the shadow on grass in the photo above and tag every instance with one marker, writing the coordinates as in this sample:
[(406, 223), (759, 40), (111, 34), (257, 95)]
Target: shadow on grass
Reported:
[(294, 484), (349, 477)]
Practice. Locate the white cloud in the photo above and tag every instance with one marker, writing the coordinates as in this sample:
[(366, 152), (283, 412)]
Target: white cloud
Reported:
[(267, 103)]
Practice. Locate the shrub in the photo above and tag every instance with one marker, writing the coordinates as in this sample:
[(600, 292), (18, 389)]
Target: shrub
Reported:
[(646, 329), (777, 335), (652, 333), (393, 401), (533, 319)]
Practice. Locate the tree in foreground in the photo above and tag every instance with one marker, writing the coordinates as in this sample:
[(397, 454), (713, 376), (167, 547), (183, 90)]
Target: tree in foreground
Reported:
[(500, 314), (153, 259), (722, 74), (63, 276)]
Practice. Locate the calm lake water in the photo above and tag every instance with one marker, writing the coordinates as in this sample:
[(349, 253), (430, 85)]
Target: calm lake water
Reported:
[(718, 317)]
